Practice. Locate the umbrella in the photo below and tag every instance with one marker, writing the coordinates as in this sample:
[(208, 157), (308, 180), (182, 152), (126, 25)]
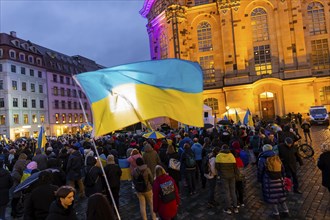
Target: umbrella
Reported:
[(224, 122), (154, 135), (208, 125), (32, 179)]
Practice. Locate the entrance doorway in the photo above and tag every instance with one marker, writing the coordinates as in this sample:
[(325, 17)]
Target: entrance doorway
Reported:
[(267, 107)]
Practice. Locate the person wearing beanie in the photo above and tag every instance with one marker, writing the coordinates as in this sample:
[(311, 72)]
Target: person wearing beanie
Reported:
[(289, 156), (113, 174), (273, 187), (145, 196), (150, 157), (226, 166)]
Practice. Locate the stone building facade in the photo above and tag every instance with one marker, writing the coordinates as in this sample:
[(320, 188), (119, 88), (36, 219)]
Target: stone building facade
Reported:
[(271, 56)]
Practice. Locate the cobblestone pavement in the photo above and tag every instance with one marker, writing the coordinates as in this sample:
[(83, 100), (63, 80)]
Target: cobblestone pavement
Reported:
[(314, 203)]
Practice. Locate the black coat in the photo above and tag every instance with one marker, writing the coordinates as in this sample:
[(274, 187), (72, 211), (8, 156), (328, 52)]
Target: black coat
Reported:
[(113, 173), (58, 212), (39, 202), (93, 180), (6, 181), (289, 157), (324, 165), (74, 166)]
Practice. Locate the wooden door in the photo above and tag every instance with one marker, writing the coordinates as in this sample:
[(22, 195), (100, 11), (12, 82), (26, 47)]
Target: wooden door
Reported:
[(268, 111)]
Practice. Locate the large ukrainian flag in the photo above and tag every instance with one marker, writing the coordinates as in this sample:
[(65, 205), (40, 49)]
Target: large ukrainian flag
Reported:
[(124, 95)]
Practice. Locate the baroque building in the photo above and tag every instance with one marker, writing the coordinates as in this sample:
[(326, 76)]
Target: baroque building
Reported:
[(37, 88), (271, 56)]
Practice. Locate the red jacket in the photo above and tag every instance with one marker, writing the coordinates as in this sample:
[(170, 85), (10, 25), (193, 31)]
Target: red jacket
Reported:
[(165, 210)]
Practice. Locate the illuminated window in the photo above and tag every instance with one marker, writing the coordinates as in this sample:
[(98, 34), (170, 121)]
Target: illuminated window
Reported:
[(34, 119), (14, 85), (76, 117), (159, 6), (207, 64), (262, 59), (316, 18), (213, 103), (26, 119), (70, 118), (55, 91), (57, 118), (2, 119), (63, 118), (259, 25), (16, 119), (201, 2), (325, 95), (15, 102), (204, 35), (163, 46), (42, 118), (81, 118), (320, 54), (266, 95)]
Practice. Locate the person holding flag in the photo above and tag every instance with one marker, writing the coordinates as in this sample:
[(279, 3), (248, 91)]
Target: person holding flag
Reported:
[(248, 118), (42, 138)]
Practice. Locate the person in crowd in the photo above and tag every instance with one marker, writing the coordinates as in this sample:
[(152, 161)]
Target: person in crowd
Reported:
[(175, 174), (240, 176), (324, 164), (197, 148), (41, 159), (188, 165), (289, 156), (132, 159), (30, 169), (150, 157), (211, 176), (62, 207), (226, 166), (272, 182), (166, 197), (162, 153), (39, 200), (146, 195), (99, 208), (306, 126), (6, 182), (73, 170), (113, 174), (58, 176), (93, 179)]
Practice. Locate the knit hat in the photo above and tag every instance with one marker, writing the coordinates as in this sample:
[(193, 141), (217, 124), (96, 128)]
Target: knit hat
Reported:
[(49, 149), (267, 147), (110, 159), (32, 165)]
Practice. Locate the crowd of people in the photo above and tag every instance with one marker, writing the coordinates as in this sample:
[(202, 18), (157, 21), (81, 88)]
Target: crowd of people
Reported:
[(68, 168)]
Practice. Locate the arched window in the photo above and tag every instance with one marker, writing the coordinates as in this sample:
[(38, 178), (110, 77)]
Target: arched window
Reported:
[(325, 95), (12, 54), (207, 64), (316, 18), (213, 103), (259, 25), (204, 35), (163, 46)]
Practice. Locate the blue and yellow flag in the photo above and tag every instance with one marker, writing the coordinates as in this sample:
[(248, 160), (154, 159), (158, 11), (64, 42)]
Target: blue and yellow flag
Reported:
[(3, 138), (124, 95), (41, 138), (247, 118), (238, 119)]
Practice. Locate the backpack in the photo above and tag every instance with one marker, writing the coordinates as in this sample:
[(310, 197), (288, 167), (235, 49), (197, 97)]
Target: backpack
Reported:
[(139, 182), (274, 167), (190, 160), (167, 191)]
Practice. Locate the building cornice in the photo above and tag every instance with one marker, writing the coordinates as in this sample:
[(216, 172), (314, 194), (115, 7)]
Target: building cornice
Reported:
[(146, 7)]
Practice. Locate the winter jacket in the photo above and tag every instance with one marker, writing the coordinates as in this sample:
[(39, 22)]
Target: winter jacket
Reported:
[(324, 165), (184, 158), (39, 202), (93, 180), (151, 158), (147, 175), (132, 163), (272, 189), (175, 174), (213, 170), (113, 173), (197, 149), (289, 157), (165, 210), (74, 166), (41, 160), (226, 165), (6, 182), (58, 212)]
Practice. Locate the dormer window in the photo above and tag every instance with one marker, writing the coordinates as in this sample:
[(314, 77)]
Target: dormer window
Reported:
[(12, 54), (31, 59), (22, 57), (39, 62), (33, 49)]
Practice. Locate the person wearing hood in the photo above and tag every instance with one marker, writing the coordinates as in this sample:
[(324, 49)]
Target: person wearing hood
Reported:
[(225, 163), (273, 188), (93, 179), (113, 174), (146, 196), (166, 207), (41, 159), (6, 182), (62, 207), (150, 157)]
